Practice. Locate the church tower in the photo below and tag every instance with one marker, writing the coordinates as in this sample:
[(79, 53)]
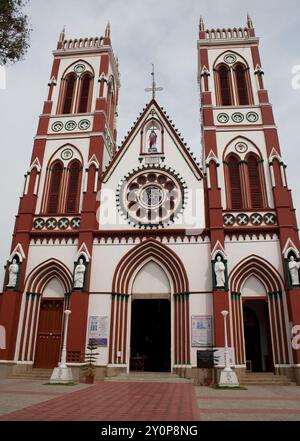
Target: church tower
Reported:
[(248, 202), (75, 140)]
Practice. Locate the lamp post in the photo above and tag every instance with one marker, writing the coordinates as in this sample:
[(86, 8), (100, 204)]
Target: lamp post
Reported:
[(226, 351), (228, 377), (63, 374), (63, 361)]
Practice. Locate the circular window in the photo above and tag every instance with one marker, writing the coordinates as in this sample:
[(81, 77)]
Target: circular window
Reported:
[(230, 59), (79, 68), (66, 154), (151, 198), (241, 147)]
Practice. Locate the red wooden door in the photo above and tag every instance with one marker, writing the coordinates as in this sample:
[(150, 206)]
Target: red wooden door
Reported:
[(49, 334)]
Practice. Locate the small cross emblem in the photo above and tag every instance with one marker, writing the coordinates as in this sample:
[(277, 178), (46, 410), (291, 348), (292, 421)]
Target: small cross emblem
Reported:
[(153, 89)]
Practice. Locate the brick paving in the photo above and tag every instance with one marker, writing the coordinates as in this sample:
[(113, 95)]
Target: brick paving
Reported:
[(116, 402), (138, 401)]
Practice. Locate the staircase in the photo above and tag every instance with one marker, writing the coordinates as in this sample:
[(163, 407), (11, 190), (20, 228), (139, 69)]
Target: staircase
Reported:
[(149, 377), (264, 379), (34, 374)]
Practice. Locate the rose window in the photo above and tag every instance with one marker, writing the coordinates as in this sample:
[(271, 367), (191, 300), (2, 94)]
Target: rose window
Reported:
[(151, 197)]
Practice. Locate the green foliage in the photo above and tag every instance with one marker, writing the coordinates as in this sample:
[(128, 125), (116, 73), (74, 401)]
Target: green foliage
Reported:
[(14, 31), (90, 359)]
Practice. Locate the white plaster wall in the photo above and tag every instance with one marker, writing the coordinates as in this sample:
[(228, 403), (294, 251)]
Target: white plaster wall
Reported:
[(200, 304), (100, 305), (151, 279), (54, 289), (40, 253), (195, 258), (253, 287), (267, 249), (193, 215)]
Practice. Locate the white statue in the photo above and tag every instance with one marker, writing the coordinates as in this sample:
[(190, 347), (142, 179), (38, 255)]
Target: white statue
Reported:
[(220, 272), (79, 274), (294, 270), (13, 274)]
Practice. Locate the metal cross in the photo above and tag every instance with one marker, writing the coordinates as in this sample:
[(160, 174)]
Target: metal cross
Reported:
[(153, 89)]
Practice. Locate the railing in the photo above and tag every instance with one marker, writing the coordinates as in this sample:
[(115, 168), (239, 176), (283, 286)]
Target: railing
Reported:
[(223, 34), (82, 43)]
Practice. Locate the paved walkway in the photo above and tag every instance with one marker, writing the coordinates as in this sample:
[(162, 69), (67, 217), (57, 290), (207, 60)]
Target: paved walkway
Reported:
[(31, 400), (107, 401)]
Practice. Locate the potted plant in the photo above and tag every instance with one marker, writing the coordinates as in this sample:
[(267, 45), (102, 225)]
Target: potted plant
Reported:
[(90, 360)]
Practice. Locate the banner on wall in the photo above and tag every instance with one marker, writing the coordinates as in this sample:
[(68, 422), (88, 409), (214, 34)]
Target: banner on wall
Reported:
[(201, 331), (98, 330)]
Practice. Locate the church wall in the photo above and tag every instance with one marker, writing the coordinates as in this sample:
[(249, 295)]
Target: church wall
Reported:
[(267, 249), (195, 258)]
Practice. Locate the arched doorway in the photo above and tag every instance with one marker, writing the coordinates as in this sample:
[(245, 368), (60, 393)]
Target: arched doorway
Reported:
[(257, 336), (50, 326), (150, 341)]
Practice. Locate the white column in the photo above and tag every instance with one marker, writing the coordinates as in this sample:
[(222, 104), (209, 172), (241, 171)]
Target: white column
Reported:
[(63, 361)]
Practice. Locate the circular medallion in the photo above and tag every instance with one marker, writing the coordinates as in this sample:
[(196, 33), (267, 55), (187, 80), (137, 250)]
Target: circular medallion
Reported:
[(51, 223), (223, 118), (270, 219), (70, 125), (79, 68), (252, 117), (241, 147), (152, 198), (66, 154), (38, 224), (237, 117), (256, 219), (230, 59), (75, 223), (57, 126), (63, 223), (84, 124), (242, 219)]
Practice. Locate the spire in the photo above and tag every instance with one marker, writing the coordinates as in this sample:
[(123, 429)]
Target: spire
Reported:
[(62, 34), (249, 21), (107, 30), (201, 24)]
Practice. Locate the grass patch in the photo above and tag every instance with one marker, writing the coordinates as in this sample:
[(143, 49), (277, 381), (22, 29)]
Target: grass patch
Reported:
[(230, 388), (60, 384)]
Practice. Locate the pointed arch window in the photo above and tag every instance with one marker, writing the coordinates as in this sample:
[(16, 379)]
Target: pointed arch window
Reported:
[(73, 187), (224, 86), (235, 183), (54, 189), (254, 182), (241, 84), (69, 93), (86, 82)]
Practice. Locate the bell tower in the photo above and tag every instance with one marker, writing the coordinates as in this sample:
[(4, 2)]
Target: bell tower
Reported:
[(75, 140), (247, 194)]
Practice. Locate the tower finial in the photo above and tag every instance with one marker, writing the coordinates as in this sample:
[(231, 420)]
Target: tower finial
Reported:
[(62, 34), (201, 24), (107, 30), (249, 21), (153, 89)]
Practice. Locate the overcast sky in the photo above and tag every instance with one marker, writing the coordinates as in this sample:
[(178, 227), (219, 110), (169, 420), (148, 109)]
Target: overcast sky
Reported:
[(163, 32)]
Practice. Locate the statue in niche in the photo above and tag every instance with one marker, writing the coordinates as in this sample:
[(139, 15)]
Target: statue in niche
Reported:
[(294, 270), (220, 272), (79, 274), (13, 271), (152, 141)]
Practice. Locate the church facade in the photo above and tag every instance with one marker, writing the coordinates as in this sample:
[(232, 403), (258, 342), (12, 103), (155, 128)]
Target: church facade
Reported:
[(144, 245)]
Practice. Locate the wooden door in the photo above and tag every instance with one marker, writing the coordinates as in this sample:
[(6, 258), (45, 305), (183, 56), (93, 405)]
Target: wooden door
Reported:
[(49, 334)]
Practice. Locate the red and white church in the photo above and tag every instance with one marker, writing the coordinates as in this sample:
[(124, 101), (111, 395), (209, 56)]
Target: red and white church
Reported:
[(145, 246)]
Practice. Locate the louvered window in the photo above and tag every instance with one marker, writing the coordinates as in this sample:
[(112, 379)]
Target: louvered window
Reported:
[(241, 85), (224, 82), (70, 88), (254, 182), (235, 183), (84, 94), (73, 186), (54, 190)]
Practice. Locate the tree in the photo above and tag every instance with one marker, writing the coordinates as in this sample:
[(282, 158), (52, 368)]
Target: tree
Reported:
[(14, 31)]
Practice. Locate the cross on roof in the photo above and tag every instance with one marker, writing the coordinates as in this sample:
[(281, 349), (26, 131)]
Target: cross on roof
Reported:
[(153, 89)]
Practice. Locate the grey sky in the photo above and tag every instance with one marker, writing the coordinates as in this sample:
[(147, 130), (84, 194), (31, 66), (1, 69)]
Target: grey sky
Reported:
[(145, 31)]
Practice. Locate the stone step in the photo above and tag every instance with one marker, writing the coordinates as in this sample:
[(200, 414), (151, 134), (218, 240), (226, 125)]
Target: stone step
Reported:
[(149, 377), (35, 374), (265, 378)]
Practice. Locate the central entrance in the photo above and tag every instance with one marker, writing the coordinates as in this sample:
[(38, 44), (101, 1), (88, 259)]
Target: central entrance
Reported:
[(151, 335)]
